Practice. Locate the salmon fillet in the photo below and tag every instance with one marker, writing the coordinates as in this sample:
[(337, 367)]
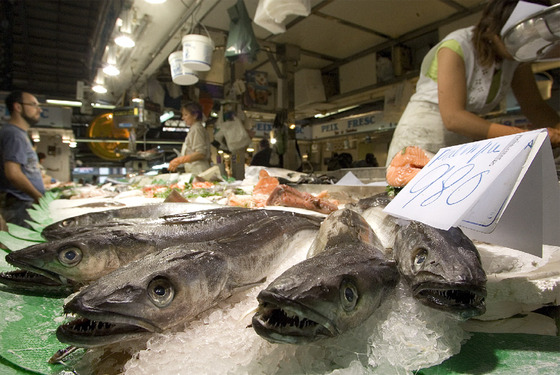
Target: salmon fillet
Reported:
[(284, 195), (405, 165), (266, 183)]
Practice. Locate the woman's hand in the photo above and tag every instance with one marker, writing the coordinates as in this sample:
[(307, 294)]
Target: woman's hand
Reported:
[(554, 135), (175, 163)]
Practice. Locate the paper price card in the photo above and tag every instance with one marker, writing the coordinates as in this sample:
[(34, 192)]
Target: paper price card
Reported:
[(477, 185)]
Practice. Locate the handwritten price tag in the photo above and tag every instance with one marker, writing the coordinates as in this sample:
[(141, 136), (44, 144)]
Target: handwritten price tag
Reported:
[(471, 185)]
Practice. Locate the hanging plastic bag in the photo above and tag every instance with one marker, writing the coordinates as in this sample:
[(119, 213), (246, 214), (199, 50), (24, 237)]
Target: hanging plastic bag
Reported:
[(265, 21), (231, 134), (241, 39)]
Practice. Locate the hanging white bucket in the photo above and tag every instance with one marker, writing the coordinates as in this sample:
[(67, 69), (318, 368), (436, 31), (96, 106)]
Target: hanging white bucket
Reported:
[(197, 52), (180, 74)]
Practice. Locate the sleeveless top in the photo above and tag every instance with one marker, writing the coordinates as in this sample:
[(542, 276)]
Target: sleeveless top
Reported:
[(486, 86)]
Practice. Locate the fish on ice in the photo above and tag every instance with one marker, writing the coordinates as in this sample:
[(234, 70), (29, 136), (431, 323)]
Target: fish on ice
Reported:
[(344, 281), (174, 285), (442, 267), (65, 227), (79, 260)]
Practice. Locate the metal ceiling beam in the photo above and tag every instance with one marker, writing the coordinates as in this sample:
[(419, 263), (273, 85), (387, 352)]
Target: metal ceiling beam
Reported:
[(106, 20)]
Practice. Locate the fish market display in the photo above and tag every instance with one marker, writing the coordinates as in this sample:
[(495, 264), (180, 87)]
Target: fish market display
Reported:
[(55, 230), (443, 269), (336, 289), (80, 259), (174, 285)]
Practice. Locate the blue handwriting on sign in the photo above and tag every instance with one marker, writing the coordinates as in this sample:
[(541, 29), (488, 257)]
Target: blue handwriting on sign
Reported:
[(448, 183), (474, 150)]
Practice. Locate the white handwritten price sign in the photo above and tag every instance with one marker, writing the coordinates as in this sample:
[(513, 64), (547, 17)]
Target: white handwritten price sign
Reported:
[(502, 190)]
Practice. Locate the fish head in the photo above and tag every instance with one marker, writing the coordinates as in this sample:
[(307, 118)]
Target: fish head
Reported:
[(67, 225), (324, 296), (148, 295), (341, 226), (75, 260), (384, 225), (443, 268)]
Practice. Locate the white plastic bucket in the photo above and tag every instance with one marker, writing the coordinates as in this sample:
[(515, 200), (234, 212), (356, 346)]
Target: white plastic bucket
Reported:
[(180, 74), (197, 52)]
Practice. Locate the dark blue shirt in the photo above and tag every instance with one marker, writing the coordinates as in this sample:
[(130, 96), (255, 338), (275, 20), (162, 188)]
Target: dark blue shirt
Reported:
[(15, 146)]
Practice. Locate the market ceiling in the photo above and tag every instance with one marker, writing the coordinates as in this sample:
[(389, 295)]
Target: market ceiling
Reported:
[(49, 45)]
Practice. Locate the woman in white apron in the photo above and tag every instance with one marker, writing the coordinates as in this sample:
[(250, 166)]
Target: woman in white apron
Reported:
[(467, 75), (195, 153)]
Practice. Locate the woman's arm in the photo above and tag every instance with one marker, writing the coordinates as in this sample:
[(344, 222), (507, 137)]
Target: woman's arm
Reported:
[(533, 106), (452, 96), (193, 156)]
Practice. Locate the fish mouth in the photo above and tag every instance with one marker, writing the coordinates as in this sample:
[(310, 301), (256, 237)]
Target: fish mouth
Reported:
[(28, 282), (464, 301), (95, 327), (31, 269), (86, 333), (282, 320)]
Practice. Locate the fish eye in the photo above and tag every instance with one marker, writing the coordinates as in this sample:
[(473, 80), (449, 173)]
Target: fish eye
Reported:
[(161, 291), (348, 295), (67, 222), (70, 256), (420, 257)]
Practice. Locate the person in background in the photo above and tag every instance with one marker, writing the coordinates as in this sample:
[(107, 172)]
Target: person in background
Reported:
[(467, 75), (195, 153), (21, 182), (262, 157), (369, 162), (47, 180)]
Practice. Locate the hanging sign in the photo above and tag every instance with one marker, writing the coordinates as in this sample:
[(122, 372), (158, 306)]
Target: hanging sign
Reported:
[(502, 190), (372, 121)]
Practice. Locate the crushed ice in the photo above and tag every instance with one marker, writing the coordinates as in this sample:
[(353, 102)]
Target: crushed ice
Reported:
[(401, 337)]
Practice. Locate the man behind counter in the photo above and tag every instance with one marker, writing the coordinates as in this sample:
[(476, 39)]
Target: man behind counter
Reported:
[(21, 183)]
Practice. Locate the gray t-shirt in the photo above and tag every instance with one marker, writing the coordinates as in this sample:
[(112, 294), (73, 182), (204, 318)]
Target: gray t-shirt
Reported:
[(15, 146)]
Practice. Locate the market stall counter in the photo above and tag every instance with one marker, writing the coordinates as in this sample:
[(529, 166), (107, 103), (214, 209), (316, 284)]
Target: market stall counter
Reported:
[(402, 335)]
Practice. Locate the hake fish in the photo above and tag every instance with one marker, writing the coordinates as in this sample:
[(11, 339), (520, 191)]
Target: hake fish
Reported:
[(108, 218), (385, 226), (81, 259), (343, 282), (174, 285), (443, 269)]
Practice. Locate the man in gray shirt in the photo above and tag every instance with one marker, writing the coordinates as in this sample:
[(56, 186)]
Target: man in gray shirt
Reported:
[(21, 183)]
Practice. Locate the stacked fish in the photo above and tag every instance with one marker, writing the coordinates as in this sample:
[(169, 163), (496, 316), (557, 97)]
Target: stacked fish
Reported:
[(139, 276), (150, 270), (353, 266)]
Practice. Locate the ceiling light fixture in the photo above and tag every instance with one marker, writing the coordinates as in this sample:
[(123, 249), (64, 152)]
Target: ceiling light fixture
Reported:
[(99, 84), (124, 38), (155, 1), (110, 67), (68, 103)]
